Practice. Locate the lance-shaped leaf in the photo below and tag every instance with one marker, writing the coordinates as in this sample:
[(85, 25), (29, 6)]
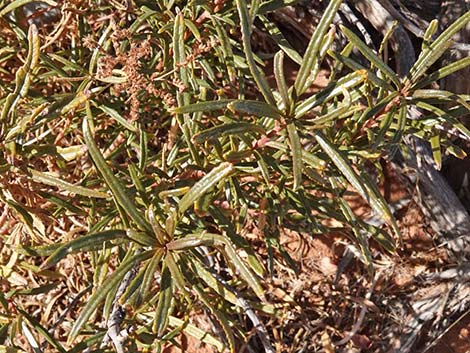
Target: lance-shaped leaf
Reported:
[(85, 243), (225, 47), (430, 31), (149, 275), (332, 90), (163, 312), (142, 238), (280, 40), (436, 150), (238, 264), (258, 76), (400, 128), (23, 75), (371, 56), (111, 283), (281, 79), (273, 5), (422, 94), (442, 72), (296, 152), (189, 242), (308, 158), (118, 117), (225, 246), (356, 181), (171, 261), (202, 186), (221, 318), (236, 128), (51, 180), (354, 65), (113, 183), (204, 274), (436, 49), (313, 48), (444, 116), (203, 106), (255, 108), (41, 331)]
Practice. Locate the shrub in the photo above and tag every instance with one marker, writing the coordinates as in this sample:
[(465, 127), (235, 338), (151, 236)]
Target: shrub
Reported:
[(140, 144)]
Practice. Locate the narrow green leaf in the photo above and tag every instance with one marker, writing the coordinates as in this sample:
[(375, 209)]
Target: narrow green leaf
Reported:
[(23, 75), (239, 241), (456, 151), (400, 129), (143, 151), (42, 331), (224, 323), (332, 90), (77, 101), (324, 47), (436, 150), (255, 107), (67, 64), (238, 264), (111, 283), (171, 261), (442, 72), (193, 28), (281, 79), (428, 57), (308, 158), (444, 116), (178, 48), (341, 110), (149, 275), (201, 272), (102, 44), (158, 230), (225, 47), (82, 244), (163, 311), (229, 129), (313, 48), (296, 152), (113, 183), (281, 41), (65, 203), (246, 22), (48, 179), (438, 94), (203, 106), (142, 238), (356, 181), (352, 64), (430, 31), (379, 205), (273, 5), (118, 117), (202, 186), (188, 242), (136, 174), (371, 56)]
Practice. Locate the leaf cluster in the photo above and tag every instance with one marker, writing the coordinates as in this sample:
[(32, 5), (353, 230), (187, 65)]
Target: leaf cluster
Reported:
[(155, 129)]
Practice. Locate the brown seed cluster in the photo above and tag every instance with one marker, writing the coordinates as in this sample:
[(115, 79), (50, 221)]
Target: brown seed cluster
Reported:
[(128, 61)]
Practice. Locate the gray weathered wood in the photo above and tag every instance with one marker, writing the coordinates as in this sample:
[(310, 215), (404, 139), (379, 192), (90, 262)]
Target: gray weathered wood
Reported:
[(449, 218)]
